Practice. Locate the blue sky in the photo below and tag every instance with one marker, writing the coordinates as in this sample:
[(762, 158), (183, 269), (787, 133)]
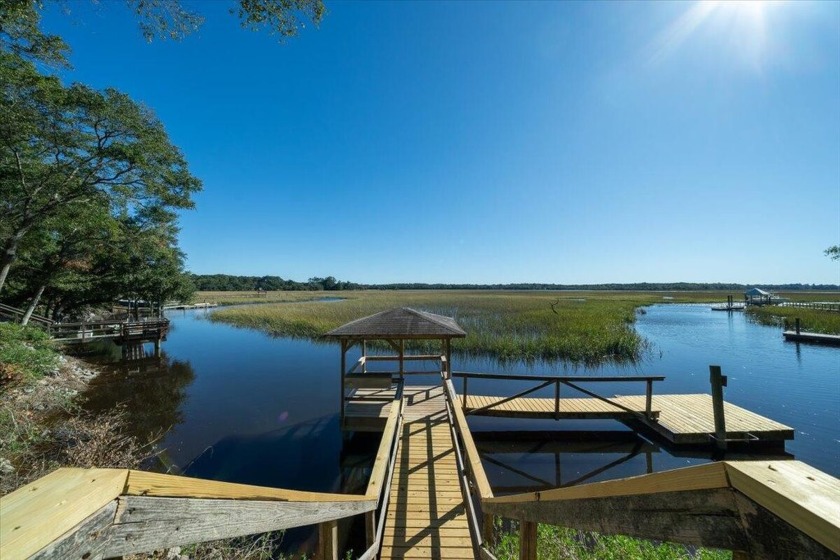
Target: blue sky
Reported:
[(498, 142)]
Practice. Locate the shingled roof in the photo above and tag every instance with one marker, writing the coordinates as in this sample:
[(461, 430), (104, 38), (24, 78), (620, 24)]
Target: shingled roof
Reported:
[(402, 322)]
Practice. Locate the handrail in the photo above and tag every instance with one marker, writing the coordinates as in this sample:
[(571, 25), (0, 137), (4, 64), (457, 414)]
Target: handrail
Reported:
[(16, 313), (568, 380), (471, 472), (113, 512), (714, 504), (381, 477)]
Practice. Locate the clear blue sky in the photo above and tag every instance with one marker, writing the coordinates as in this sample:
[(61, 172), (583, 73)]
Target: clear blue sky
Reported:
[(498, 142)]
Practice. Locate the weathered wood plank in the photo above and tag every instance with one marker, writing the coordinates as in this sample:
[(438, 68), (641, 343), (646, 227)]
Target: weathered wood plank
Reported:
[(81, 541), (141, 483), (701, 517), (148, 523), (41, 512)]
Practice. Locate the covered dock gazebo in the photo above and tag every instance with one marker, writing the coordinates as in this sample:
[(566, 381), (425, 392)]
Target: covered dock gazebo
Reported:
[(360, 387)]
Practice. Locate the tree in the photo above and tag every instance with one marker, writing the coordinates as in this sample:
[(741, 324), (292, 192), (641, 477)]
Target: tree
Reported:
[(170, 19), (64, 146), (833, 252)]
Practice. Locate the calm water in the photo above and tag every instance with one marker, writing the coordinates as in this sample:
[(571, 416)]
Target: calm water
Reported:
[(238, 405)]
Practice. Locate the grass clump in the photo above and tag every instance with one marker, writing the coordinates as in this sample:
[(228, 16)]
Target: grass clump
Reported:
[(561, 543), (26, 354), (811, 320)]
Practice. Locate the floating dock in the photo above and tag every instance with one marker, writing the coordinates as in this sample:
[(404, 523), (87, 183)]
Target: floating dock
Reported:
[(815, 338)]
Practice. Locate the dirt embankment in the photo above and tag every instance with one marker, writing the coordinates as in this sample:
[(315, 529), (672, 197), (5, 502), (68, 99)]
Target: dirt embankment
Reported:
[(43, 427)]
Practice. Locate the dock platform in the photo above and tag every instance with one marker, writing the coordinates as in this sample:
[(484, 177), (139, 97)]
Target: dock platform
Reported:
[(426, 517), (682, 419), (817, 338)]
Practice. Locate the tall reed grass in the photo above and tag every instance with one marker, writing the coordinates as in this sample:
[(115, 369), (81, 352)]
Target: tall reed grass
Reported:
[(579, 327)]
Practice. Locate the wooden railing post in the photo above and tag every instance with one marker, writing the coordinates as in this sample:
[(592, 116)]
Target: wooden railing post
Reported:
[(328, 540), (649, 398), (370, 528), (464, 403), (798, 324), (527, 540), (557, 400), (718, 383)]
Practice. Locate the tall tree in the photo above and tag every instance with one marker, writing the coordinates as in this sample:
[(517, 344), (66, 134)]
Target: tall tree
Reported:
[(74, 145), (833, 252)]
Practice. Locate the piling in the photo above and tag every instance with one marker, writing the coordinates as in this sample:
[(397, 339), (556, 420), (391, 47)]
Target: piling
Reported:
[(718, 382)]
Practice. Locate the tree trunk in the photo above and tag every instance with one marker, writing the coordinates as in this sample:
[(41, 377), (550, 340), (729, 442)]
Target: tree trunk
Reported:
[(31, 309), (8, 256)]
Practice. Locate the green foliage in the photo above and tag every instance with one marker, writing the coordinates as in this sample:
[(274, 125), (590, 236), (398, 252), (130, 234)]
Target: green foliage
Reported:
[(811, 320), (20, 35), (833, 252), (26, 353), (563, 543)]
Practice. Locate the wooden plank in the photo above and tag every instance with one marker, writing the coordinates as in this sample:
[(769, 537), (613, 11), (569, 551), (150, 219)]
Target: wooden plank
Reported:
[(383, 455), (527, 540), (700, 517), (431, 540), (799, 494), (41, 512), (141, 483), (426, 552), (147, 523), (328, 540), (479, 477), (80, 541), (699, 477)]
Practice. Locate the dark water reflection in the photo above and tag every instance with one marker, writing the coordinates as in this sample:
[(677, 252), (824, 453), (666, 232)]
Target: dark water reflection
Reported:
[(239, 405)]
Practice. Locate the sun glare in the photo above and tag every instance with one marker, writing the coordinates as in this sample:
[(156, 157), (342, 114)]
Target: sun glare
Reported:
[(740, 26)]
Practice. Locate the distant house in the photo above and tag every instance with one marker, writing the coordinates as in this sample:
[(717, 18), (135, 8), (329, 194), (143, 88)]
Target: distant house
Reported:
[(757, 296)]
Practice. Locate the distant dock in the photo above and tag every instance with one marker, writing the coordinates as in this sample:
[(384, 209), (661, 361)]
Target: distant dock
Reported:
[(815, 338)]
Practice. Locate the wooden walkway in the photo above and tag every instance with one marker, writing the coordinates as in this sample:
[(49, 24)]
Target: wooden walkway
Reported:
[(426, 516), (683, 419)]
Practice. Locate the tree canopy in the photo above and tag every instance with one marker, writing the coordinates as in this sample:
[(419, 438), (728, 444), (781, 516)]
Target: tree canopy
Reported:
[(90, 183)]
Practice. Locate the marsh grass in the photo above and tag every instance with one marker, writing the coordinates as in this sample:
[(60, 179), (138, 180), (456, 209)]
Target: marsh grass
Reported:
[(811, 320), (560, 543), (579, 327)]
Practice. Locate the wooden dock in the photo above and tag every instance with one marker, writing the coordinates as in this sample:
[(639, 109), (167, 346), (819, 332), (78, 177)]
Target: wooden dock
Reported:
[(426, 516), (680, 419), (816, 338)]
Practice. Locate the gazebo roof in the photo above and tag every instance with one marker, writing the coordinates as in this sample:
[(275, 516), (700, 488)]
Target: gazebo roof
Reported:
[(400, 323), (756, 292)]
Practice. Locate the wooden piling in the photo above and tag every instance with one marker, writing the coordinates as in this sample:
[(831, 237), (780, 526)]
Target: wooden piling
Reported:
[(527, 540), (798, 325), (718, 382), (328, 540)]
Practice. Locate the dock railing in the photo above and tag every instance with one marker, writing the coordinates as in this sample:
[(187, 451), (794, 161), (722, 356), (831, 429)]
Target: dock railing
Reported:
[(573, 382), (16, 315), (381, 476), (120, 330)]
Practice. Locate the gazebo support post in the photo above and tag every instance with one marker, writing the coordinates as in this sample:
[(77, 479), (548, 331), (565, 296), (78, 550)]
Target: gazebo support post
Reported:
[(402, 360), (343, 371)]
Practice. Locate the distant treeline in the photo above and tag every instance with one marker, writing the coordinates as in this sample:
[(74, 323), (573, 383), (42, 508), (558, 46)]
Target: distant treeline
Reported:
[(227, 282)]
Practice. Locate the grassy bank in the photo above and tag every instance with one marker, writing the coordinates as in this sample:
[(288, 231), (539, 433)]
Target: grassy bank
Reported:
[(812, 320), (559, 543), (582, 327), (42, 426), (236, 298)]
